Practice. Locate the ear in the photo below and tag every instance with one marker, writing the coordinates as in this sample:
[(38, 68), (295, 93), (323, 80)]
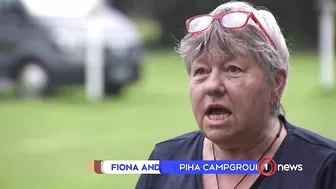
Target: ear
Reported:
[(280, 83)]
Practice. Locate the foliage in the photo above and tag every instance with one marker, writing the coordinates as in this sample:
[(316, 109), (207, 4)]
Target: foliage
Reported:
[(149, 29), (298, 19)]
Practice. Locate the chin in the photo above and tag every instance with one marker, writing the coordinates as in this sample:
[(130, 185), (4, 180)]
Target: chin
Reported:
[(217, 135)]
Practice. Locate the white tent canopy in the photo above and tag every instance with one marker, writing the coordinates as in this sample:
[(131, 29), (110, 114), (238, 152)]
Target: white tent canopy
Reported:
[(327, 10)]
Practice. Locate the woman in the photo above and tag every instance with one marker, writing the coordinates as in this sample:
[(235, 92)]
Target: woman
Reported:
[(237, 61)]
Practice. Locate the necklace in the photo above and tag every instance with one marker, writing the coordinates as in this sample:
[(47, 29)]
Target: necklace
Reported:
[(269, 147)]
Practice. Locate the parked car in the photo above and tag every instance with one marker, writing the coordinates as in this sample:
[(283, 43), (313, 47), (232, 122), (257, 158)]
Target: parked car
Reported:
[(43, 45)]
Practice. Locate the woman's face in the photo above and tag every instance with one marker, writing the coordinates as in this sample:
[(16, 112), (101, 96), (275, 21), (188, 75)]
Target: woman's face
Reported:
[(229, 95)]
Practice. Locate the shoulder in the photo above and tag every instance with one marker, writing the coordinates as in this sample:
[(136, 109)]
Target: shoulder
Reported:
[(317, 152), (309, 138), (327, 173), (314, 139), (184, 146)]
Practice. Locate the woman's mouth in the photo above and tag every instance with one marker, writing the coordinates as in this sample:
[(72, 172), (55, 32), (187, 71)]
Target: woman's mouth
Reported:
[(218, 113), (219, 117)]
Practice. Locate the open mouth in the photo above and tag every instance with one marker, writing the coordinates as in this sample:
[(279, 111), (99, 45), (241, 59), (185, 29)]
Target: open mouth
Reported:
[(218, 113)]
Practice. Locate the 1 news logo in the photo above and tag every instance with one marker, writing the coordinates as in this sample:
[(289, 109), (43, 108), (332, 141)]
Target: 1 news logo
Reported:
[(268, 167)]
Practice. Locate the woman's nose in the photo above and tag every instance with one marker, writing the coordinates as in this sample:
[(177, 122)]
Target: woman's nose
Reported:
[(214, 85)]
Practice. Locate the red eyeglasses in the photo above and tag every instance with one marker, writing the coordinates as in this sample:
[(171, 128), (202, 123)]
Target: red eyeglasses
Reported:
[(229, 20)]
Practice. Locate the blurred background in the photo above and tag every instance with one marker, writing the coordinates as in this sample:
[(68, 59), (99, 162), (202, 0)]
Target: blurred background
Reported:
[(69, 94)]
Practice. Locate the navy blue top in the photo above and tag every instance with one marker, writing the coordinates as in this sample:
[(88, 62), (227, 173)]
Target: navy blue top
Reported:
[(316, 153)]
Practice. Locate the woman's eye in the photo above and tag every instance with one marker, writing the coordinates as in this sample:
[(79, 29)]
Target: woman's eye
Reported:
[(234, 69), (200, 71)]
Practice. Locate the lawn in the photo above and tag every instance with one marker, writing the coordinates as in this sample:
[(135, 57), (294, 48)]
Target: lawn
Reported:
[(46, 144)]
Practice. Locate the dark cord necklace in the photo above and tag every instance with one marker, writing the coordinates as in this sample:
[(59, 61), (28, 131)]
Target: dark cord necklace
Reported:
[(214, 156)]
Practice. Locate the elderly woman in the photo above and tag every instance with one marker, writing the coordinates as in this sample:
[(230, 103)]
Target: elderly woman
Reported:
[(237, 61)]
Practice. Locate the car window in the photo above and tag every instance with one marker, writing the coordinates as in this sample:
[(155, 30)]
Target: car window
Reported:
[(59, 8), (6, 3)]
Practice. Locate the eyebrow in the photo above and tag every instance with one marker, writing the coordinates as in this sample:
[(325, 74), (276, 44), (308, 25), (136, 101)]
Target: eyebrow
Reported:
[(203, 61), (199, 61)]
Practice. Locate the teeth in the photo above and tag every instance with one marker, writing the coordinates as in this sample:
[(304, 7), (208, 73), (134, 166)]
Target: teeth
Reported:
[(219, 116)]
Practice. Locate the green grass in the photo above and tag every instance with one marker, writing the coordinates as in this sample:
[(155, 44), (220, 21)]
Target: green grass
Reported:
[(46, 144)]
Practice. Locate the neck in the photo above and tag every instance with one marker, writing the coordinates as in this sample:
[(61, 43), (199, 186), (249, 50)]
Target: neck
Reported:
[(255, 143)]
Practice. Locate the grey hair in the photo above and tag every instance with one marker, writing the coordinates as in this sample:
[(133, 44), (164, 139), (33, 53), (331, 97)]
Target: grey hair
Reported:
[(250, 39)]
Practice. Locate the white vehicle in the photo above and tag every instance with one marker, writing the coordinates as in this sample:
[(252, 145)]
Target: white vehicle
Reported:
[(43, 44)]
